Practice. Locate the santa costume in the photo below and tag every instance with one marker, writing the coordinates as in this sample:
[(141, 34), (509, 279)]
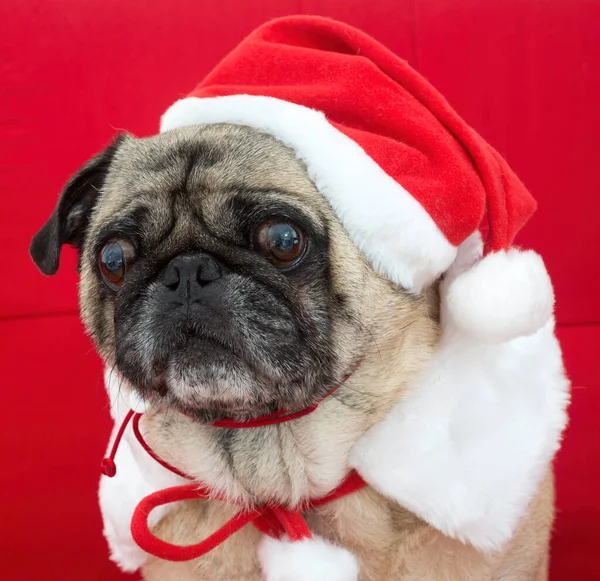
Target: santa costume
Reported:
[(425, 199)]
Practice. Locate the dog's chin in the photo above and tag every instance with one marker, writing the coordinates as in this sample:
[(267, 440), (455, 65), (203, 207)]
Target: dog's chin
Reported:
[(206, 381), (198, 401), (213, 412), (208, 402)]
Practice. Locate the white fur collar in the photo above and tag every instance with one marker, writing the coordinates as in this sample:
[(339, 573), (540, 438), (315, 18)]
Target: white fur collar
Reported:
[(468, 447)]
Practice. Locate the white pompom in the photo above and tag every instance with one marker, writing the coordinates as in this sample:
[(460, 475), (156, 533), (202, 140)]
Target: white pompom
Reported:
[(503, 296), (309, 560)]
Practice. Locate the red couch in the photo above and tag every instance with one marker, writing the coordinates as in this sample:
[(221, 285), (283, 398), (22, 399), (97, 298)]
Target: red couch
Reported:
[(525, 74)]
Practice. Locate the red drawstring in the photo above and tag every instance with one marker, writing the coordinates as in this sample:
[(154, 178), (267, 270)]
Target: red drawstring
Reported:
[(292, 522), (280, 416), (108, 466), (277, 417), (274, 521), (153, 545), (150, 451), (270, 520)]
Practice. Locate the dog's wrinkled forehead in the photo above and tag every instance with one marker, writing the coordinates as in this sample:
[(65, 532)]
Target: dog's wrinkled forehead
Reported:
[(204, 175)]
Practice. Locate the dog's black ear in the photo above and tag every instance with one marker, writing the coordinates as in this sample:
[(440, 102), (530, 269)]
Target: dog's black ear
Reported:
[(70, 218)]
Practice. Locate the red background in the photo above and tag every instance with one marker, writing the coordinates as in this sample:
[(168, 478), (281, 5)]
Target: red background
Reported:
[(526, 74)]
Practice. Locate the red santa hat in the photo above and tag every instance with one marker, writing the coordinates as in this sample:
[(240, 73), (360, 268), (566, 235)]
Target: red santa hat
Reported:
[(414, 186), (407, 177)]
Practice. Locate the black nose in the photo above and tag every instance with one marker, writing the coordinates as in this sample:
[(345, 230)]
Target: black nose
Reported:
[(186, 275)]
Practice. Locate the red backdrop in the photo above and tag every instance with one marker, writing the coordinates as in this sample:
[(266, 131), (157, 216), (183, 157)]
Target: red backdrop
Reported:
[(526, 74)]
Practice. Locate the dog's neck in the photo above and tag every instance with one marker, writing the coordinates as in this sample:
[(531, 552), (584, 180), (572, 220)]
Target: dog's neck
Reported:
[(284, 463)]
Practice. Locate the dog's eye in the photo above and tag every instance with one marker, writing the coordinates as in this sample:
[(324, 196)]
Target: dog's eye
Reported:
[(115, 259), (280, 242)]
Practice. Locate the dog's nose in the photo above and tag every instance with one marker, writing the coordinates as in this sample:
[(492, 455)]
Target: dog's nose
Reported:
[(185, 274)]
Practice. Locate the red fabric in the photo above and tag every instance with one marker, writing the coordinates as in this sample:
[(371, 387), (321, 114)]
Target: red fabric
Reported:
[(378, 100), (523, 74)]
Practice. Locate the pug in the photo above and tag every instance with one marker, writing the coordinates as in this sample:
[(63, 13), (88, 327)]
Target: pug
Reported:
[(217, 282)]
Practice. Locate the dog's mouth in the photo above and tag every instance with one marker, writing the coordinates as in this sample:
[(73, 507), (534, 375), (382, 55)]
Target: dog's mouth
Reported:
[(207, 380), (206, 409), (211, 412)]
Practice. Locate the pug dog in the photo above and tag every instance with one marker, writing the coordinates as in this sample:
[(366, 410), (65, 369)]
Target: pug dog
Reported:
[(217, 282)]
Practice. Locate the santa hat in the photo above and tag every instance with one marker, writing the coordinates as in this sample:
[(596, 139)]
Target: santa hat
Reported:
[(414, 186), (408, 178)]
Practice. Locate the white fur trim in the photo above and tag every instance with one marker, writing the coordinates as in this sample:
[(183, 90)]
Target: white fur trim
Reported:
[(387, 224), (137, 402), (467, 448), (137, 476), (506, 295), (308, 560)]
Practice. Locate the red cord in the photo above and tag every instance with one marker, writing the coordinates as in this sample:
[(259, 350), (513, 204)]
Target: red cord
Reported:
[(271, 520), (108, 466), (292, 522), (280, 416), (352, 483), (153, 545), (150, 451), (277, 417)]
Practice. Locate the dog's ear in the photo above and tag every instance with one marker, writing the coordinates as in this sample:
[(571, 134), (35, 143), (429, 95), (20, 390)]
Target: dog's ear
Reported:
[(70, 218)]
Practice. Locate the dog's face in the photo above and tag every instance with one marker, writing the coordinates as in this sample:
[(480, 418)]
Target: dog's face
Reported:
[(214, 276)]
